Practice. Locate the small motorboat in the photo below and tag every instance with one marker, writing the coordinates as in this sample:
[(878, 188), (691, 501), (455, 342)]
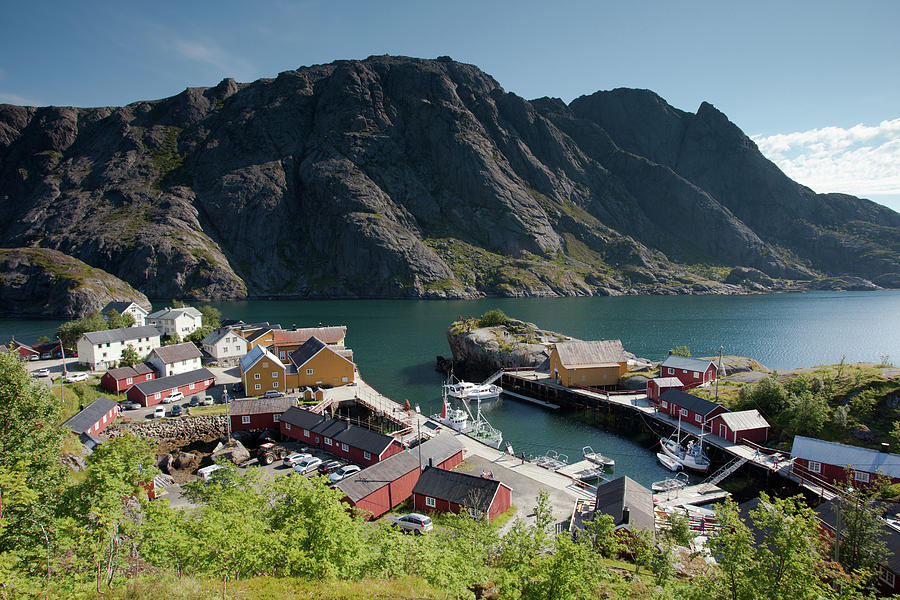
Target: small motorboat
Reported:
[(669, 462), (597, 458), (671, 484)]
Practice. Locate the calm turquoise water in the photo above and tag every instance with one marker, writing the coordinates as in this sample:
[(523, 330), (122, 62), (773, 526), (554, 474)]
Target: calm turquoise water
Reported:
[(395, 343)]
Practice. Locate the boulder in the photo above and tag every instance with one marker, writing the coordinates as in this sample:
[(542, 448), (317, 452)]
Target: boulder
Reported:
[(233, 451), (186, 461)]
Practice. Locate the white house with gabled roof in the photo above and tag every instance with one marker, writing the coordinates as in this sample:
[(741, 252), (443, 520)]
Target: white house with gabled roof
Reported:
[(103, 349), (181, 321)]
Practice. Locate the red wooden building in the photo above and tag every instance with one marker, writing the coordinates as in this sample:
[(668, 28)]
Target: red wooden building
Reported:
[(738, 426), (692, 372), (152, 392), (439, 490), (118, 380), (258, 413), (693, 410), (832, 462), (357, 444), (25, 351), (94, 418), (660, 385), (383, 486)]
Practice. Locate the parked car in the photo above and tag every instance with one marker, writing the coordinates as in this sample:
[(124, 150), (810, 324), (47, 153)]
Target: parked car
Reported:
[(414, 522), (131, 405), (237, 387), (176, 410), (273, 394), (173, 397), (75, 377), (41, 373), (307, 465), (195, 401), (294, 457), (330, 466), (159, 412), (344, 472), (206, 401)]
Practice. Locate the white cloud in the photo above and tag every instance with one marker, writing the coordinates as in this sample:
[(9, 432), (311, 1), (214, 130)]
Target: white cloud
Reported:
[(6, 98), (861, 160)]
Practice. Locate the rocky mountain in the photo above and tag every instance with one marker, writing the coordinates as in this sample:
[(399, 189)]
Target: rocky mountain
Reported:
[(401, 177), (38, 281)]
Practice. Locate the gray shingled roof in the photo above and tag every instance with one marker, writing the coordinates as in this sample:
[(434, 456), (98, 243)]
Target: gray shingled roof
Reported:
[(667, 381), (164, 384), (125, 372), (700, 406), (614, 496), (687, 363), (743, 420), (259, 406), (86, 419), (310, 348), (832, 453), (123, 334), (598, 352), (458, 488), (174, 313), (177, 352), (298, 417)]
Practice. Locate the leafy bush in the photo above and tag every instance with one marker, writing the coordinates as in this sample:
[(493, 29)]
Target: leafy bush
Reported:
[(680, 351), (493, 318)]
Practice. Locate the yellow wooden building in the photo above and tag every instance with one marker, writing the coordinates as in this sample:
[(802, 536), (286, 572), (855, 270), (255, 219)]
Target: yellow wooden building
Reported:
[(588, 364), (316, 363), (261, 371)]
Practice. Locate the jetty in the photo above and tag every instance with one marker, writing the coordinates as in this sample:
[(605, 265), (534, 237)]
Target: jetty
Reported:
[(632, 406)]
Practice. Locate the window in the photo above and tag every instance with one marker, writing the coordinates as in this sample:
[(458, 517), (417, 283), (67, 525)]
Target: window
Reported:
[(265, 365), (157, 395), (861, 476), (670, 370), (274, 384), (327, 441), (696, 375), (683, 371), (886, 576), (306, 433), (287, 426), (309, 371), (281, 354), (474, 513), (665, 404), (698, 418), (429, 501), (274, 374), (257, 387), (345, 447), (344, 379), (367, 456), (276, 418), (256, 376), (128, 380), (245, 419), (684, 412), (814, 467), (191, 386)]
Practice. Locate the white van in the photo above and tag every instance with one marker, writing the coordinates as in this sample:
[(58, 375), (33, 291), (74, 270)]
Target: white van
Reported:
[(205, 472), (159, 412)]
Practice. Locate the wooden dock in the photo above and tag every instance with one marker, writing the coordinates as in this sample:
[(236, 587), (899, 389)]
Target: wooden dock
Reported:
[(577, 470), (692, 495)]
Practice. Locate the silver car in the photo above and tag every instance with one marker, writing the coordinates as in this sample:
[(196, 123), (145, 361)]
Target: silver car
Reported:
[(307, 465), (414, 522)]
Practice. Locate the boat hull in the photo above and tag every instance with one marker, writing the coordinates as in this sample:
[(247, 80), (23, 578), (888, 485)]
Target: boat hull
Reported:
[(669, 462), (686, 460)]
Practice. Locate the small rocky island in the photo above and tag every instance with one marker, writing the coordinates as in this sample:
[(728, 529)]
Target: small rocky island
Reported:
[(482, 346)]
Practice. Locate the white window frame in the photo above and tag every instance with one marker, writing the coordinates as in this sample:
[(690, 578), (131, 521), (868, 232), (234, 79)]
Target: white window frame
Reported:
[(257, 386), (814, 466), (157, 395), (430, 502), (274, 374), (328, 441), (698, 418), (345, 447), (190, 387), (861, 476), (665, 404), (671, 370), (245, 419), (274, 384), (128, 380), (367, 455), (886, 576), (306, 433), (287, 426), (309, 371), (684, 412), (276, 418), (256, 376), (344, 379)]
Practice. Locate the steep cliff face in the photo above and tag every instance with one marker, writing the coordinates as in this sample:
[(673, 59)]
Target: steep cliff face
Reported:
[(406, 177), (37, 281)]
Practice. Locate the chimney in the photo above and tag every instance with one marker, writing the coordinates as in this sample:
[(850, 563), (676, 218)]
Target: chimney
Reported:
[(626, 514), (431, 461), (293, 327), (348, 422)]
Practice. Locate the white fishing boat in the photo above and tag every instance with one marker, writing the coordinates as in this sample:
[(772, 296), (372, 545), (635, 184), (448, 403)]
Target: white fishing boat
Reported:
[(668, 462), (671, 484), (597, 458), (552, 460), (690, 455), (466, 390), (463, 421)]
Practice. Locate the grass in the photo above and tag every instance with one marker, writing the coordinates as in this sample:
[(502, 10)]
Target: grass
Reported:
[(215, 409), (82, 393)]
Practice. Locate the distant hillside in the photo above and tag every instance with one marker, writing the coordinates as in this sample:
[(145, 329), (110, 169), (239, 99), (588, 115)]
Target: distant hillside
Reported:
[(37, 281), (401, 177)]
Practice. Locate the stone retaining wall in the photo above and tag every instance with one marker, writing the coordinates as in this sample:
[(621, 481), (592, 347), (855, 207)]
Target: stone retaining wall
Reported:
[(183, 428)]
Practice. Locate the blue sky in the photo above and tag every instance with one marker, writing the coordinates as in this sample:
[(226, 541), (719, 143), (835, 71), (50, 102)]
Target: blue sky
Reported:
[(817, 84)]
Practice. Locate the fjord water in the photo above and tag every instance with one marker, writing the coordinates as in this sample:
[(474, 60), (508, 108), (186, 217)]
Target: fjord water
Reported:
[(395, 343)]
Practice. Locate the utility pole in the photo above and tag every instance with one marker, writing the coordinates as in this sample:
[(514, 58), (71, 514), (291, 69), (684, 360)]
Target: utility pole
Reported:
[(62, 380), (718, 372), (419, 422)]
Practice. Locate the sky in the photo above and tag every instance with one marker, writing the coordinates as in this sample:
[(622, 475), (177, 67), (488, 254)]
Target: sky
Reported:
[(815, 83)]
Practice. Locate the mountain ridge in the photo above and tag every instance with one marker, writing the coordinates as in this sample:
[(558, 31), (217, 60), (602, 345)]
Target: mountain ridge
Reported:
[(403, 177)]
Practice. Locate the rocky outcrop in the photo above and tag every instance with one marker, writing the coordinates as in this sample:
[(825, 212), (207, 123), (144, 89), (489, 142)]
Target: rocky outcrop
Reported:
[(401, 177), (47, 283)]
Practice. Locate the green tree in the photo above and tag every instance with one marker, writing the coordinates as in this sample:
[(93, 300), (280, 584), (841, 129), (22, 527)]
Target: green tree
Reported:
[(130, 356), (70, 331), (734, 552), (600, 533), (861, 546), (493, 318), (197, 336), (806, 414), (212, 317), (768, 396), (113, 319), (642, 545), (680, 351), (679, 531), (43, 338)]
